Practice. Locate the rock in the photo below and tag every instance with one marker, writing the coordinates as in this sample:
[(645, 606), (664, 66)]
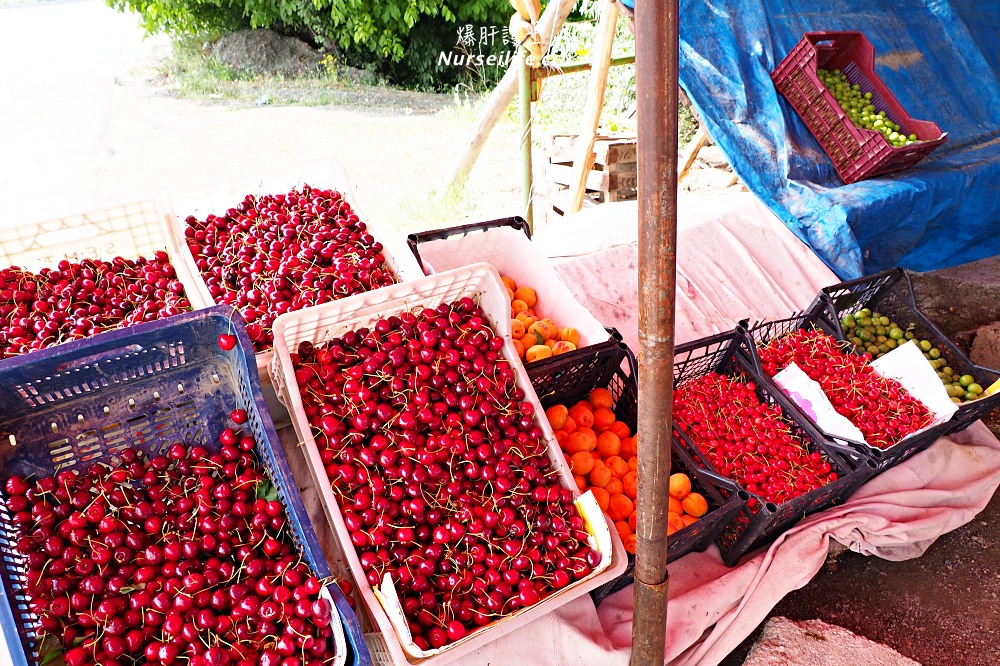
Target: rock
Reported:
[(266, 52), (960, 298), (787, 642), (986, 346)]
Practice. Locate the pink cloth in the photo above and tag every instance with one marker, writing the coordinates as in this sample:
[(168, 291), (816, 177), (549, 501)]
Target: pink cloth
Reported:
[(736, 260)]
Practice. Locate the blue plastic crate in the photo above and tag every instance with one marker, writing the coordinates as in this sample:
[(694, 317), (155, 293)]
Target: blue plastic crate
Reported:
[(145, 387)]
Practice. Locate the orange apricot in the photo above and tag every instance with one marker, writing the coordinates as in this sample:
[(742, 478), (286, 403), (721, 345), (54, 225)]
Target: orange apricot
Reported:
[(561, 437), (525, 319), (600, 475), (556, 414), (602, 497), (509, 282), (581, 482), (517, 329), (674, 523), (537, 353), (620, 429), (562, 347), (603, 418), (542, 328), (600, 397), (569, 425), (551, 344), (619, 507), (630, 481), (628, 446), (582, 414), (674, 506), (581, 440), (680, 485), (695, 505), (526, 294), (582, 462), (687, 519), (618, 466), (623, 528), (570, 335), (517, 305), (630, 544), (608, 444), (518, 348), (632, 519), (615, 486), (633, 464)]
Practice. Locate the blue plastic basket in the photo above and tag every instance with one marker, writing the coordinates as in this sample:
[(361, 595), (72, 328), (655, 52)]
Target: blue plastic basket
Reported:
[(145, 387)]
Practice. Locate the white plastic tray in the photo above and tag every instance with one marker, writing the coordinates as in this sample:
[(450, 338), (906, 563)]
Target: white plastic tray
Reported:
[(216, 198), (513, 254), (320, 323)]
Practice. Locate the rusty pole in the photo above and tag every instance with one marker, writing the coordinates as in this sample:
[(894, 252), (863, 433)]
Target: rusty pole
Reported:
[(656, 114)]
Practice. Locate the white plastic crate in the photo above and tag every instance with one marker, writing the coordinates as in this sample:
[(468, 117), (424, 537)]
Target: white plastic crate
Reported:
[(128, 230), (216, 198), (323, 322), (511, 252)]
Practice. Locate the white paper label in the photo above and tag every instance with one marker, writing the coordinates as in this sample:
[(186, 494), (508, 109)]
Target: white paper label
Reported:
[(907, 365), (811, 399)]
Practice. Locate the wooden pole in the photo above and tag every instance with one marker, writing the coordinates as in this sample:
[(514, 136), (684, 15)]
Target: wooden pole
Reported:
[(548, 27), (583, 149), (656, 115), (526, 175), (698, 141)]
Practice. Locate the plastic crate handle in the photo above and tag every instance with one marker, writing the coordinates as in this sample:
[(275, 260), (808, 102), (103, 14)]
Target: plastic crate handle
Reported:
[(94, 359), (414, 240)]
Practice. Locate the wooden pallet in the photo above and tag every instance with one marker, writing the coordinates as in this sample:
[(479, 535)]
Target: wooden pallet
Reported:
[(612, 178)]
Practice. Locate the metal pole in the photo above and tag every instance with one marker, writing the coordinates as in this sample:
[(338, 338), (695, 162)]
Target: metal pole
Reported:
[(656, 115), (524, 81)]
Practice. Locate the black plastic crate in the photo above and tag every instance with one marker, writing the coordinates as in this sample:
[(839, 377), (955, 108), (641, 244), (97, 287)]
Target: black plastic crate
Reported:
[(612, 365), (891, 294), (818, 317), (144, 387), (415, 240), (759, 522)]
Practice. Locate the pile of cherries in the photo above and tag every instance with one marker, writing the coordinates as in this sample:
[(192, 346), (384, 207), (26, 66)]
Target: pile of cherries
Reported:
[(880, 407), (273, 254), (78, 299), (440, 469), (176, 558), (747, 440)]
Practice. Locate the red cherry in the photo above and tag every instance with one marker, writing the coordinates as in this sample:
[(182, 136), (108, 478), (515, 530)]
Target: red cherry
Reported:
[(227, 341)]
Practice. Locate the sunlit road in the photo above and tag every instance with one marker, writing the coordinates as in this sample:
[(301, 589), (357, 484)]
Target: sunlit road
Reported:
[(58, 64)]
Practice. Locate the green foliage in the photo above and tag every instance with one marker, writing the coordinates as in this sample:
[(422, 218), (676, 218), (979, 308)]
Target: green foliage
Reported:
[(401, 39), (564, 96)]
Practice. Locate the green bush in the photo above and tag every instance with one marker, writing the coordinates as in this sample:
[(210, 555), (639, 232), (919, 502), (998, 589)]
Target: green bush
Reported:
[(402, 39)]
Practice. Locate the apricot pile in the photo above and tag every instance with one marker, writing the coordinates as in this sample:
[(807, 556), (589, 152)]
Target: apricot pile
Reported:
[(535, 338), (601, 453)]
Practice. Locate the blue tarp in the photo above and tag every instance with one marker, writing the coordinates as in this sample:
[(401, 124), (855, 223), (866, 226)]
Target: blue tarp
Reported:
[(940, 59)]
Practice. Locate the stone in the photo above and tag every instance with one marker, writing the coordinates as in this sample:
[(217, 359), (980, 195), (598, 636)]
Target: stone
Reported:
[(266, 52), (986, 346), (960, 298), (786, 642)]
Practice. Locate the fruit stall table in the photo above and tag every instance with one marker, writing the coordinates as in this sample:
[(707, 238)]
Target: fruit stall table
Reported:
[(735, 260)]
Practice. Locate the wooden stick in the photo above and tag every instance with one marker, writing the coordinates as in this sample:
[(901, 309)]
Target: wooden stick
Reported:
[(698, 141), (584, 149), (548, 27)]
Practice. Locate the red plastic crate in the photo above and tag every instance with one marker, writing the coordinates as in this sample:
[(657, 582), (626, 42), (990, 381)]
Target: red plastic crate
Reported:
[(857, 153)]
